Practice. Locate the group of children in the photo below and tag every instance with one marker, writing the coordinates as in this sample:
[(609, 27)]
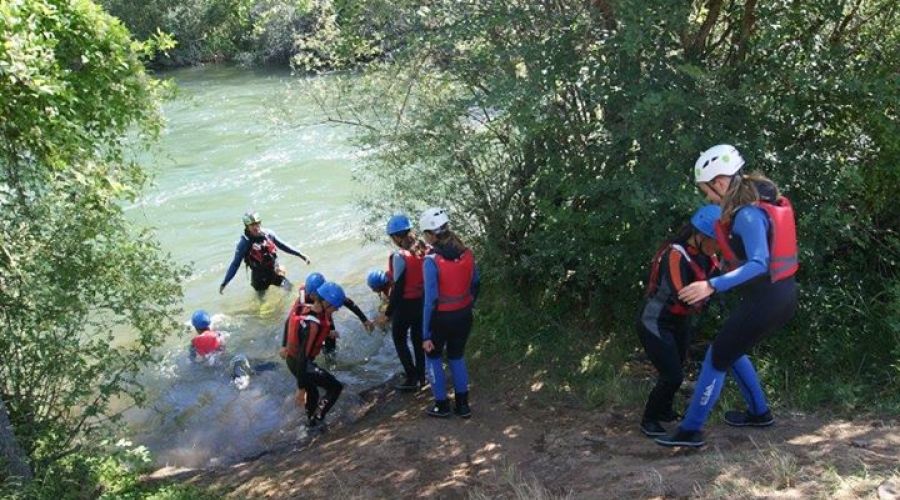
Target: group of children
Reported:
[(745, 239), (427, 293)]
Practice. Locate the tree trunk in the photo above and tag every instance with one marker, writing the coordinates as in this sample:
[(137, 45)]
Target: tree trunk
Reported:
[(11, 456)]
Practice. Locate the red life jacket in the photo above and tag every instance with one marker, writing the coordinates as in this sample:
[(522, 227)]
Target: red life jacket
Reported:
[(262, 254), (699, 275), (206, 343), (414, 283), (783, 250), (455, 281), (302, 316)]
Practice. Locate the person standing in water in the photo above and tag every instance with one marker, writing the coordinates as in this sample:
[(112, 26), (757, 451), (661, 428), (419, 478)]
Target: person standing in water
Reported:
[(451, 287), (665, 326), (257, 248), (758, 240)]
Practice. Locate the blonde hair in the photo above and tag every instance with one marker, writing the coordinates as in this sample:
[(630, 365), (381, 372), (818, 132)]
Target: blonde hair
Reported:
[(742, 191)]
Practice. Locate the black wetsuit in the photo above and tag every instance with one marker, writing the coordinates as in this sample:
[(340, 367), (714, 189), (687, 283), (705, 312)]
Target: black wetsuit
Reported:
[(310, 376), (666, 335), (406, 320)]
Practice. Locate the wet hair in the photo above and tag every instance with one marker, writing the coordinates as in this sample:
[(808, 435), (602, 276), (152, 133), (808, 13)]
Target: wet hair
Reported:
[(743, 191)]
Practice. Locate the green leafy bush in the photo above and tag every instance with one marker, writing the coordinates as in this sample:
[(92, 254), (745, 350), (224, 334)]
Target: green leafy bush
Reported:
[(562, 136), (74, 98)]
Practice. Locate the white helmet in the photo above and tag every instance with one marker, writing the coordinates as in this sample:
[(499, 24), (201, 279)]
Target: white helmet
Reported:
[(433, 219), (718, 160)]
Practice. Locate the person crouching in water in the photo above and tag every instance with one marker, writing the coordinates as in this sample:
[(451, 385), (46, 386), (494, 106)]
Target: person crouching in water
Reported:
[(257, 248), (307, 294), (665, 326), (207, 344), (451, 286), (305, 331), (404, 309)]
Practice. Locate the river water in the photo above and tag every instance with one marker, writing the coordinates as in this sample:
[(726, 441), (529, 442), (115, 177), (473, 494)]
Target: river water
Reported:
[(226, 148)]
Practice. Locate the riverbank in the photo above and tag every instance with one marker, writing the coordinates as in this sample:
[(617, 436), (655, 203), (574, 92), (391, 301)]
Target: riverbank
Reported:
[(522, 445)]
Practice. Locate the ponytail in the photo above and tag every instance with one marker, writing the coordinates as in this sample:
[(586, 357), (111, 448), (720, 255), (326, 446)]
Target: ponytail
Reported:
[(743, 191)]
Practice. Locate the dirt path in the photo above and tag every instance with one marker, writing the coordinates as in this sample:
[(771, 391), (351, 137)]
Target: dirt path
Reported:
[(525, 451)]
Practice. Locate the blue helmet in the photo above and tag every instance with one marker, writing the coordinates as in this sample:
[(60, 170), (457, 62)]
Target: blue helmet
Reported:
[(313, 282), (332, 293), (377, 279), (397, 224), (704, 219), (200, 319)]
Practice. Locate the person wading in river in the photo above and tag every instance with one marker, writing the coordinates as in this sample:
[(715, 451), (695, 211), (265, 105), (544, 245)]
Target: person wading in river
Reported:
[(257, 248)]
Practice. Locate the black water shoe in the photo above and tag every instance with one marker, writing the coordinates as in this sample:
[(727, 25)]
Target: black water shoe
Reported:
[(736, 418), (462, 405), (653, 429), (316, 426), (690, 439), (440, 409), (407, 385)]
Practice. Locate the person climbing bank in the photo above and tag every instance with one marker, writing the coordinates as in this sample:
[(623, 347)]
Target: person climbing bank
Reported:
[(258, 249), (665, 325), (305, 331), (451, 287), (758, 241)]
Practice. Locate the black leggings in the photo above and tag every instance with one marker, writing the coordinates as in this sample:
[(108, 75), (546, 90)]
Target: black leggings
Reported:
[(316, 377), (763, 308), (450, 331), (261, 279), (406, 320), (668, 352)]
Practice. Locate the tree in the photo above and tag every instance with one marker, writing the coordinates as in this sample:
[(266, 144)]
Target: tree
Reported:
[(74, 100), (562, 133)]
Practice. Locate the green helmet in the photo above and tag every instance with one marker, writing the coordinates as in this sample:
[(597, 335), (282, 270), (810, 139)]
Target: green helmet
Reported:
[(251, 217)]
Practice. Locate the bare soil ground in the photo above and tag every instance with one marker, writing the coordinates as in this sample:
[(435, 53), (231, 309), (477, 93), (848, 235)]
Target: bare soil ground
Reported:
[(515, 447)]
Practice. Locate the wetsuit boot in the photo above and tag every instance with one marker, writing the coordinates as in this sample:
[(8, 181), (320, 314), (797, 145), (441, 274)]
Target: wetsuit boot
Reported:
[(440, 409), (462, 405)]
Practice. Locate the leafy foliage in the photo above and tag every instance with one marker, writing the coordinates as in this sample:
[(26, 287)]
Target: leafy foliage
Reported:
[(73, 98), (561, 134)]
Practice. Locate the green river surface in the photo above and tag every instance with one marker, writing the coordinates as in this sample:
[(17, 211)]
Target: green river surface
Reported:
[(226, 148)]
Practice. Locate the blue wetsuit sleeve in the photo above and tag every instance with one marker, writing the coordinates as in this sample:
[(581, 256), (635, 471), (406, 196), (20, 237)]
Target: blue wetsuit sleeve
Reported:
[(240, 251), (284, 246), (431, 295), (752, 225), (398, 277)]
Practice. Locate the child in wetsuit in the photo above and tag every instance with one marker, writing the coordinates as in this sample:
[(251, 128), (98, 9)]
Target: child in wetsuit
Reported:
[(305, 332), (665, 325)]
